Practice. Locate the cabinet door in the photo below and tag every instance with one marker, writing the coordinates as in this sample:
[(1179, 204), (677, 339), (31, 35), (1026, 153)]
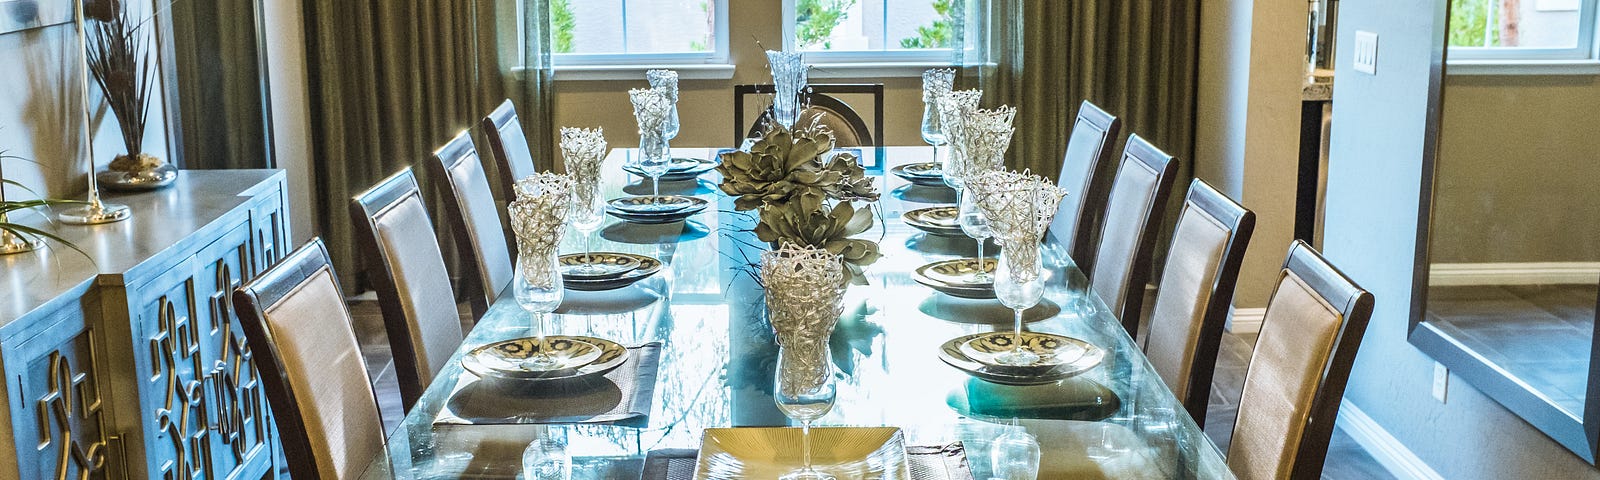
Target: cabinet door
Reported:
[(241, 427), (58, 420), (270, 228)]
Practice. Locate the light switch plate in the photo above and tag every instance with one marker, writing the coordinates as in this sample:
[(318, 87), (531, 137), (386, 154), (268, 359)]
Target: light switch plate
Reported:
[(1366, 52), (1441, 381)]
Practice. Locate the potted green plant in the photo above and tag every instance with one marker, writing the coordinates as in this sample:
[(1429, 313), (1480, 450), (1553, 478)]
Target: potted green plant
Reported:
[(16, 237), (119, 58)]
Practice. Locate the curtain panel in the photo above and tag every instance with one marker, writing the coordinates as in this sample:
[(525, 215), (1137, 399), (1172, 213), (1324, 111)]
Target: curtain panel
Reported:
[(392, 81)]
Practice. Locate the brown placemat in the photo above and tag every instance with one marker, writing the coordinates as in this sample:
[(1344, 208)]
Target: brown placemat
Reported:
[(621, 397), (944, 462)]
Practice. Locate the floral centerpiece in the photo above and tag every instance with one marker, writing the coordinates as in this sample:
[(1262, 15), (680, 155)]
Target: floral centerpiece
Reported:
[(803, 196)]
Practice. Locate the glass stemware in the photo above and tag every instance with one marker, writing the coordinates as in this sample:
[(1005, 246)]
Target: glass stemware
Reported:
[(586, 215), (667, 81), (546, 459), (1015, 455), (935, 83), (583, 149), (1019, 285), (804, 399), (975, 225), (931, 132), (538, 289), (650, 107)]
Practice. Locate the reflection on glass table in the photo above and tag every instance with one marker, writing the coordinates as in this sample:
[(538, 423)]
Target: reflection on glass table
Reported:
[(718, 359)]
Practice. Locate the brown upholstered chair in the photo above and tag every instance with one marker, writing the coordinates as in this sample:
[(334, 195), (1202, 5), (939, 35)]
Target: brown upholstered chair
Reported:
[(849, 129), (510, 146), (471, 213), (1078, 218), (1313, 326), (298, 329), (1133, 216), (413, 286), (1196, 290)]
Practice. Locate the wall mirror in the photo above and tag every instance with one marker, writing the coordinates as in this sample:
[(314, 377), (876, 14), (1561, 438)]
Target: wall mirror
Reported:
[(1511, 258)]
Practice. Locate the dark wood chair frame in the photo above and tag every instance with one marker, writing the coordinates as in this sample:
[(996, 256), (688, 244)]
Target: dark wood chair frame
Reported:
[(381, 197), (1166, 167), (250, 302), (445, 159), (820, 95), (1093, 211), (503, 117), (1355, 307), (1241, 223)]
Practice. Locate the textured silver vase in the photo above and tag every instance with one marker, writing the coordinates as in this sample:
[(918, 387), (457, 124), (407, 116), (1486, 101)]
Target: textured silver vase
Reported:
[(805, 291)]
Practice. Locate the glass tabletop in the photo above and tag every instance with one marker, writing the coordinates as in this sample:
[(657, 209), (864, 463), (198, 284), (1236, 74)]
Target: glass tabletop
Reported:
[(718, 355)]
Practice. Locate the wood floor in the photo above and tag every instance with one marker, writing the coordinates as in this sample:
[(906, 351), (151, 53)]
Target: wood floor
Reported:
[(1346, 459)]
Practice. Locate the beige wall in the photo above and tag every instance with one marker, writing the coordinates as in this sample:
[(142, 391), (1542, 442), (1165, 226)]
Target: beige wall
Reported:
[(705, 106), (1247, 140), (1517, 173), (284, 33), (40, 112)]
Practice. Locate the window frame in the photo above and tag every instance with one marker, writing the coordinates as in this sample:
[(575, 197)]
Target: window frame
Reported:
[(622, 61), (1582, 58), (850, 63)]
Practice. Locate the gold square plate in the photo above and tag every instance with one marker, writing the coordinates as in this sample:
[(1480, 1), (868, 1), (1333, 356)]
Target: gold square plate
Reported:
[(844, 452)]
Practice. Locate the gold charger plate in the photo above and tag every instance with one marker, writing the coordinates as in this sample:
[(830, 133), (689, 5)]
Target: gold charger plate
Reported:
[(929, 174), (597, 265), (952, 353), (647, 266), (583, 357), (962, 272), (935, 220), (844, 452)]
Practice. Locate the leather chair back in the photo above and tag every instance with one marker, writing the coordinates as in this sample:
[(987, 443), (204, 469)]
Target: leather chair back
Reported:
[(1313, 326), (1196, 291), (471, 212), (300, 334), (849, 129), (510, 146), (1078, 219), (413, 286), (1133, 217)]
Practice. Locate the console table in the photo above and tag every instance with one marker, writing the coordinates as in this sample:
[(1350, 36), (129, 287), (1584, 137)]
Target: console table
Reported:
[(129, 362)]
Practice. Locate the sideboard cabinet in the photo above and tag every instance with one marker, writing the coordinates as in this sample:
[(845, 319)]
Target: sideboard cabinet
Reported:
[(126, 361)]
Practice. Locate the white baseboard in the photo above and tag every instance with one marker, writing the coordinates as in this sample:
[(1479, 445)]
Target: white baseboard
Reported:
[(1530, 273), (1383, 447), (1245, 320)]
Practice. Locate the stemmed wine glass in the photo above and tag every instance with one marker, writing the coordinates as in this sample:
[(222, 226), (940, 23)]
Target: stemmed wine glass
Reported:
[(585, 216), (650, 109), (935, 83), (975, 225), (1014, 455), (546, 459), (930, 128), (802, 398), (1019, 286), (667, 81), (538, 289)]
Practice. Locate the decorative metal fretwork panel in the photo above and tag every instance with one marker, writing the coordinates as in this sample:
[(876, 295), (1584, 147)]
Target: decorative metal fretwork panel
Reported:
[(63, 412), (267, 222)]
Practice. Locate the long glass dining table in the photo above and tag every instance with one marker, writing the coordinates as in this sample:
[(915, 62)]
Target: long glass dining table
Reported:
[(717, 355)]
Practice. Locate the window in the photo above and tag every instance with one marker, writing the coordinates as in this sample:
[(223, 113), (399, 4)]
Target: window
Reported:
[(638, 32), (1522, 31), (873, 31)]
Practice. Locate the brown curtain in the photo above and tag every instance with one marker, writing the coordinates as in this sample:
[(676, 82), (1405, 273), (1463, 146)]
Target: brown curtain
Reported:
[(391, 81)]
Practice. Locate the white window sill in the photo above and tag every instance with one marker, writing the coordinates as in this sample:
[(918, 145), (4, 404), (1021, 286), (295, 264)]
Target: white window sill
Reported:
[(695, 71), (873, 69), (1523, 67)]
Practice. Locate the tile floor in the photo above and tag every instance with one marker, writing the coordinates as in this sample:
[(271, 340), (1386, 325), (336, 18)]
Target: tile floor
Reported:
[(1346, 459), (1540, 334)]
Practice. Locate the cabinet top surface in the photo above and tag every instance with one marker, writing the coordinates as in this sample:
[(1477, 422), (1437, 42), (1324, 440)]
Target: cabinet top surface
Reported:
[(164, 225)]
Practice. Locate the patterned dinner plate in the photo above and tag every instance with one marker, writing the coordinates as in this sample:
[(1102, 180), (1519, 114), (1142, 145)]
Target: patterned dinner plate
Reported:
[(681, 169), (596, 265), (926, 174), (940, 221), (646, 267), (1063, 357), (578, 357), (639, 209), (961, 272)]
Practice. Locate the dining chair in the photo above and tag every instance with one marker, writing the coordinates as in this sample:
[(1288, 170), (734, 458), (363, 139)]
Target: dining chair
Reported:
[(848, 126), (1313, 325), (300, 333), (1078, 218), (1134, 211), (1196, 291), (471, 213), (413, 286), (510, 146)]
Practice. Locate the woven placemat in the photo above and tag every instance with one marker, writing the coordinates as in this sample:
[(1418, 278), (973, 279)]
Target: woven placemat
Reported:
[(946, 462), (621, 397)]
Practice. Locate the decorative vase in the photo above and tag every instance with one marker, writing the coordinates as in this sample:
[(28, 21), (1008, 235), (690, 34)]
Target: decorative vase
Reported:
[(135, 173), (804, 295)]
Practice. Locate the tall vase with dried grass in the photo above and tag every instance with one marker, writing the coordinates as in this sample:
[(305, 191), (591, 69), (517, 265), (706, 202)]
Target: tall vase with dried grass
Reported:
[(119, 57), (94, 211)]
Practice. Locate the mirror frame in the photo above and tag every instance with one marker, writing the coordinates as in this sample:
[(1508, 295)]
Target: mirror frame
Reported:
[(1579, 434)]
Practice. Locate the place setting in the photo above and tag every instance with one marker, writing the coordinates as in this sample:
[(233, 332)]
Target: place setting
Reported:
[(655, 110)]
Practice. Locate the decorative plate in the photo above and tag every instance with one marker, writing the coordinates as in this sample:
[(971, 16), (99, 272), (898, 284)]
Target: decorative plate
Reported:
[(935, 220), (596, 265), (681, 169), (961, 272), (928, 174), (1076, 356), (844, 452), (647, 266), (638, 209), (582, 357)]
